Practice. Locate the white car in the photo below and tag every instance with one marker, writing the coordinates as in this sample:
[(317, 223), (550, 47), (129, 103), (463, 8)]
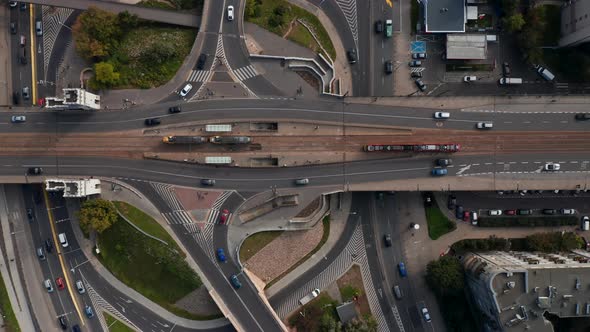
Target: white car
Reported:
[(469, 79), (485, 125), (495, 212), (442, 115), (230, 13), (187, 88), (552, 167), (426, 314), (568, 212), (18, 118)]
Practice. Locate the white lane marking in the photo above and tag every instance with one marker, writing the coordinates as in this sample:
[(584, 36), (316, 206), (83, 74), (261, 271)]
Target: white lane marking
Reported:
[(463, 169)]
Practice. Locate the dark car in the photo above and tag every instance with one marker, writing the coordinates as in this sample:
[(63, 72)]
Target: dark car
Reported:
[(420, 84), (451, 202), (387, 240), (35, 171), (428, 200), (402, 269), (207, 182), (174, 109), (388, 67), (459, 212), (509, 212), (506, 69), (16, 98), (23, 60), (235, 281), (76, 328), (444, 162), (379, 26), (583, 116), (152, 122), (23, 7), (549, 211), (62, 322), (201, 61), (30, 215), (13, 28), (351, 55), (48, 246), (416, 74), (524, 212)]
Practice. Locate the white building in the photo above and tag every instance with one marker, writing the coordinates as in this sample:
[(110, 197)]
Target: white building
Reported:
[(74, 99), (74, 188)]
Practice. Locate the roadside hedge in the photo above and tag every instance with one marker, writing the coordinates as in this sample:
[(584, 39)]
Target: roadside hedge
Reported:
[(519, 221)]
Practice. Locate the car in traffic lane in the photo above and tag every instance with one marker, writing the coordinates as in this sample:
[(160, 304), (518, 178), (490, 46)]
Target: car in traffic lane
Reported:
[(230, 13), (223, 216), (60, 283), (221, 255), (402, 269)]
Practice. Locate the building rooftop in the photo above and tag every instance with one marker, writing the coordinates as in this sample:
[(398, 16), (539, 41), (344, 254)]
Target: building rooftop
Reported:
[(74, 188), (346, 312), (444, 15), (467, 47), (575, 23)]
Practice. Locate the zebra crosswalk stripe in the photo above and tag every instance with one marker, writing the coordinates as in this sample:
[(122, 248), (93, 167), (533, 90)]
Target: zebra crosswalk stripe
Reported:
[(167, 193), (200, 76), (178, 217), (245, 73), (221, 199)]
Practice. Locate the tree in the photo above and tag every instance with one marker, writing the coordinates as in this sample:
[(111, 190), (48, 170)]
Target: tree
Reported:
[(275, 20), (105, 74), (97, 215), (97, 33), (127, 21), (445, 276), (513, 23), (329, 324), (252, 9), (308, 319)]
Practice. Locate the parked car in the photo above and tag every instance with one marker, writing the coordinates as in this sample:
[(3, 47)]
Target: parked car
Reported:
[(426, 315), (510, 212), (474, 218), (402, 269), (495, 212), (439, 171), (351, 55), (174, 109), (468, 79), (444, 162), (187, 88), (552, 167), (235, 281), (505, 69), (451, 202), (416, 74), (388, 67), (524, 212), (442, 115), (220, 255), (466, 216), (387, 240), (459, 212), (418, 55), (420, 84), (379, 26), (152, 122), (583, 116), (223, 216), (230, 13), (567, 211), (415, 63), (549, 211), (60, 283)]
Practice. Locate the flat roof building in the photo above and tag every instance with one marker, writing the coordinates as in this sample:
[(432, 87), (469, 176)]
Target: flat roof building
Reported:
[(444, 16), (575, 23), (74, 188), (513, 290), (466, 47), (74, 99)]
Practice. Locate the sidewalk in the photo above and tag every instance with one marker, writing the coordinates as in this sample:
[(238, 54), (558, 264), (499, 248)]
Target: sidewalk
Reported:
[(338, 218), (403, 84), (5, 64), (87, 247)]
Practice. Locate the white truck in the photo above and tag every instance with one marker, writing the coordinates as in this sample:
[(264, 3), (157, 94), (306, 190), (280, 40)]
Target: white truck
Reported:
[(510, 81), (314, 293), (545, 73)]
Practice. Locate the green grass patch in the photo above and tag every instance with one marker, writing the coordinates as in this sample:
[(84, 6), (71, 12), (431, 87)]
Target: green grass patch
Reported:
[(149, 56), (326, 227), (148, 266), (438, 223), (174, 4), (301, 36), (10, 322), (254, 243), (414, 13), (156, 4), (116, 325), (522, 221), (146, 223), (349, 292), (276, 15)]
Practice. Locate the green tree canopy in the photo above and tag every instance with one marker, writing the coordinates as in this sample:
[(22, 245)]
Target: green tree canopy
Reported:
[(105, 74), (97, 33), (514, 23), (445, 276), (554, 242), (97, 215)]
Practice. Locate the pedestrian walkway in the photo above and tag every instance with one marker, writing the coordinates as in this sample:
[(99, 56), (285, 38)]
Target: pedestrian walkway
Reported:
[(53, 22)]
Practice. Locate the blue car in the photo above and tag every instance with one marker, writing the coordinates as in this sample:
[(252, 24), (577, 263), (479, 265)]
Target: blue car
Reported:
[(235, 281), (439, 171), (88, 311), (402, 269), (221, 255)]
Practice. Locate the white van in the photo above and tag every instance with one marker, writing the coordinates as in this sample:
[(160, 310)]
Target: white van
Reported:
[(545, 73), (48, 285), (510, 81), (63, 240)]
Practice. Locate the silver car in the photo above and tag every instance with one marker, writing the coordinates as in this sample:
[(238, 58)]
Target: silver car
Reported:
[(18, 118)]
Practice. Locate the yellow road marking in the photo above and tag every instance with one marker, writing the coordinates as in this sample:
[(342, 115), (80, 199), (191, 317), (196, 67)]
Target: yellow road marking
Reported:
[(33, 67), (62, 263)]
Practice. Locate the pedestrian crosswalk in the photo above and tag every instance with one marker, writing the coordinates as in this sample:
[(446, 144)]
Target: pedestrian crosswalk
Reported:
[(53, 19), (178, 217), (166, 191), (98, 302), (200, 76), (245, 73), (417, 69), (221, 199), (203, 236)]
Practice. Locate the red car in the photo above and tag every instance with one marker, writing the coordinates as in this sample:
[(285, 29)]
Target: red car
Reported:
[(510, 212), (223, 217), (466, 216), (60, 283)]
